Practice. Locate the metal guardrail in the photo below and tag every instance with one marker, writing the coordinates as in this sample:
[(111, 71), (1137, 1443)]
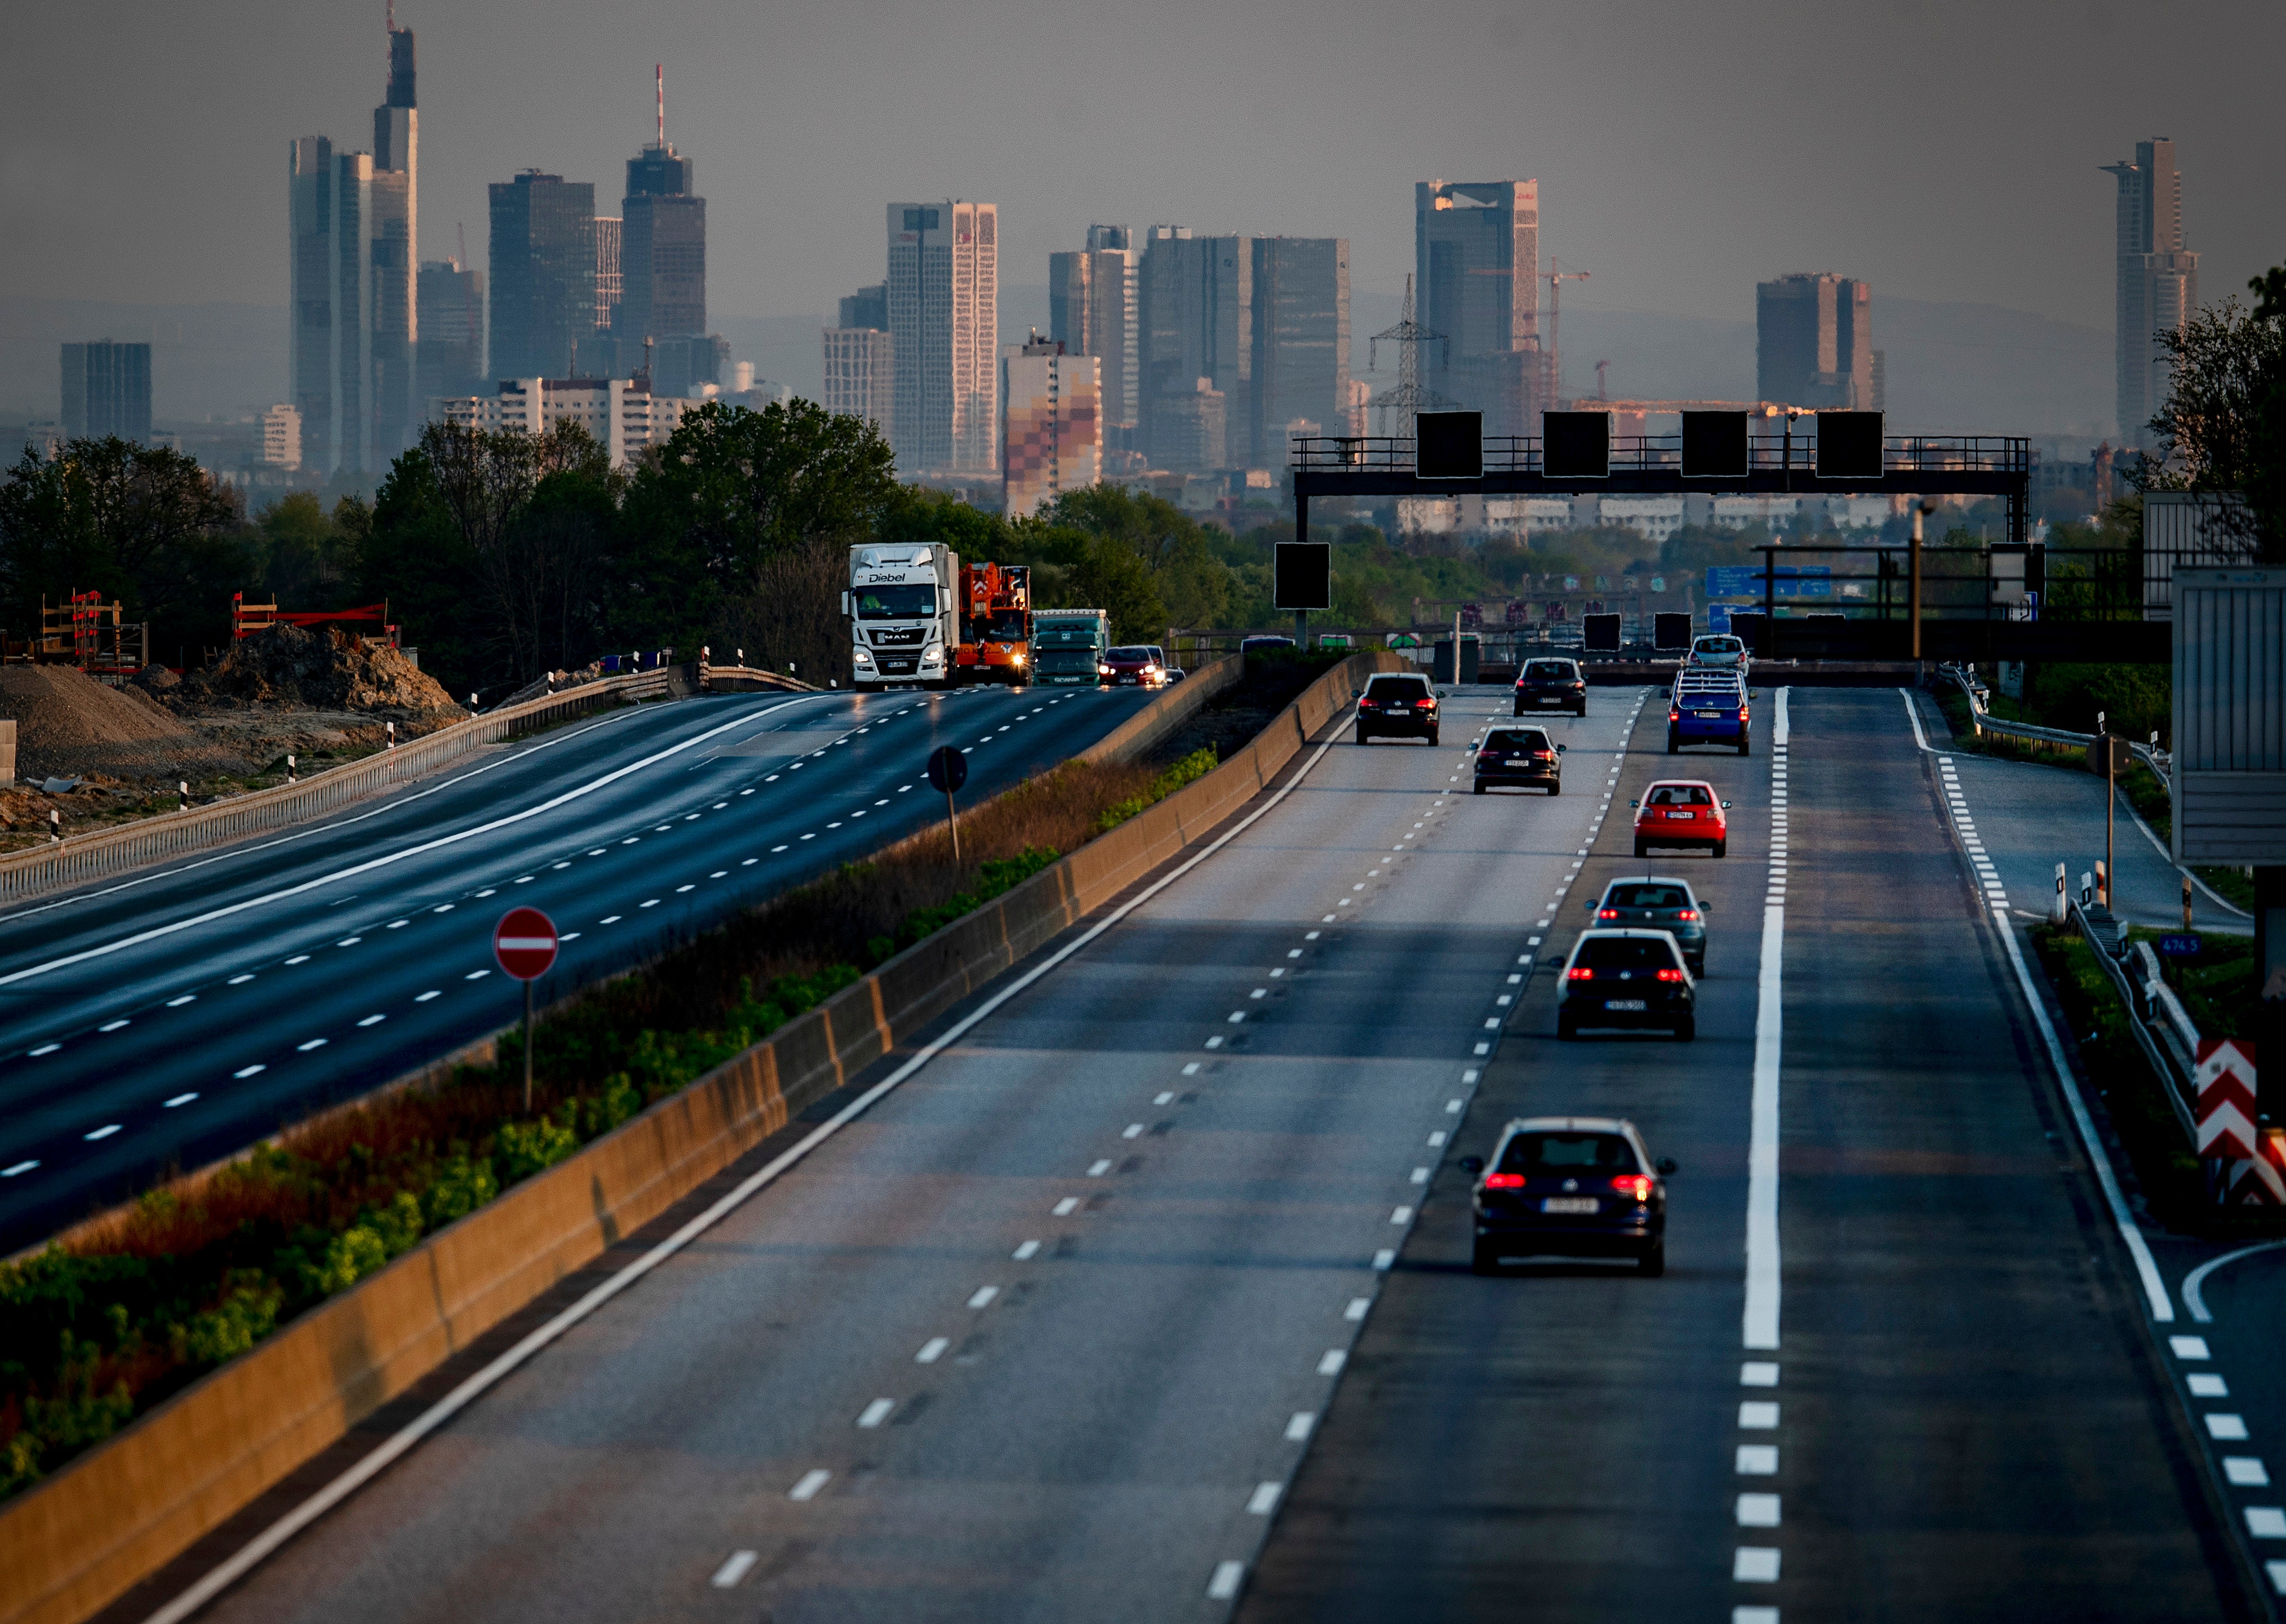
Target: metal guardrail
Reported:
[(2155, 1018), (1515, 453), (81, 858), (2160, 761)]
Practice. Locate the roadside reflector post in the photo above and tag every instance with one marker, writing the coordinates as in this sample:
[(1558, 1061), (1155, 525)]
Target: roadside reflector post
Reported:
[(2103, 885), (183, 789), (55, 824), (392, 735), (290, 778), (2062, 911)]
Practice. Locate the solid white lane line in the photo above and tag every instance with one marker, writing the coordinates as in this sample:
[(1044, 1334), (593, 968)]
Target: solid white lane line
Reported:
[(1760, 1320)]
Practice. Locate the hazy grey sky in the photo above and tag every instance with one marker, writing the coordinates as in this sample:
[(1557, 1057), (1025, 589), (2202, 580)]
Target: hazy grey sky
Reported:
[(1945, 151)]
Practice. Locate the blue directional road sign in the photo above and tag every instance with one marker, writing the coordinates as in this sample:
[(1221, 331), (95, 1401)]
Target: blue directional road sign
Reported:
[(1744, 581)]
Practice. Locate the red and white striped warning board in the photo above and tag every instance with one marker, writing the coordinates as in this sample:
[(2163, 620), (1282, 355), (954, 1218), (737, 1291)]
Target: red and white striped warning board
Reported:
[(2226, 1113), (2262, 1181)]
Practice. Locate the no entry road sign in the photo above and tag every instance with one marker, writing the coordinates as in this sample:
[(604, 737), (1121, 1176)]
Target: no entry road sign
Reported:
[(525, 943)]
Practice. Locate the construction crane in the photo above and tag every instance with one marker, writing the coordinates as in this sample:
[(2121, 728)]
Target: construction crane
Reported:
[(1556, 276)]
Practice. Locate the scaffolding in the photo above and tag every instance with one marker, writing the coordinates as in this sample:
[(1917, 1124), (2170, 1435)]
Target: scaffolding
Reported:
[(248, 618), (86, 632)]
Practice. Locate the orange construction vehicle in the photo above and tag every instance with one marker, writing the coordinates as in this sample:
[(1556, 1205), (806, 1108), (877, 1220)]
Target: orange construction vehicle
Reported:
[(996, 623)]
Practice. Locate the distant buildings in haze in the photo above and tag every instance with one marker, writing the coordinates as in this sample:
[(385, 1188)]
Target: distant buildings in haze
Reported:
[(623, 414), (1814, 342), (1476, 249), (942, 307), (543, 274), (2157, 279), (450, 357), (106, 391), (1052, 424), (1092, 310)]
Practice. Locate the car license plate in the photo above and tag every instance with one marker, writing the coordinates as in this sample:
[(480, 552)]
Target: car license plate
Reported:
[(1550, 699), (1635, 1004), (1685, 817), (1569, 1203), (1709, 715)]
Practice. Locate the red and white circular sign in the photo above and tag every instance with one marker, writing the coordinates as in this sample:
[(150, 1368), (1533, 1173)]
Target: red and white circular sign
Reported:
[(525, 943)]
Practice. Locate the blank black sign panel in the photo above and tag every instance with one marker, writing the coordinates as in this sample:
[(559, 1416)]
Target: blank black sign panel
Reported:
[(1303, 576), (1714, 445), (1576, 445), (1449, 445), (1670, 631), (1850, 444), (1601, 634)]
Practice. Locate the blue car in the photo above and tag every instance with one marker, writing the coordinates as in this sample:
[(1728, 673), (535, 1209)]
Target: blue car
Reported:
[(1710, 707)]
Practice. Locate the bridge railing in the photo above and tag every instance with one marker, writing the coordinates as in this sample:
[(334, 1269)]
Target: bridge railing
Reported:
[(1920, 454)]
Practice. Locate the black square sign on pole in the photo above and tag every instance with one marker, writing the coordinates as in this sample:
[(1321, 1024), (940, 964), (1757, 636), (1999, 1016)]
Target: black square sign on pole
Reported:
[(1302, 576), (1850, 444), (1715, 445), (1575, 445), (1449, 445)]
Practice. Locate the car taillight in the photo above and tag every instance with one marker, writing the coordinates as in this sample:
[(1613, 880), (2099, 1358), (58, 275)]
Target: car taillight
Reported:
[(1607, 913), (1426, 704), (1673, 714), (1687, 913), (1670, 975), (1637, 1185), (1543, 755), (1579, 973), (1503, 1181)]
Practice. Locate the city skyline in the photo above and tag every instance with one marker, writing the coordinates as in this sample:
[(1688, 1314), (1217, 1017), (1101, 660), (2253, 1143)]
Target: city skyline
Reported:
[(1619, 193)]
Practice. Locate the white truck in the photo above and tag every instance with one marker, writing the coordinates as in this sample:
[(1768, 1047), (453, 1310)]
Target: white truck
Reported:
[(903, 609)]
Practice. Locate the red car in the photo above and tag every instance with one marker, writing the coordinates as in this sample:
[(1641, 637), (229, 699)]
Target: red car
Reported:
[(1681, 812), (1135, 666)]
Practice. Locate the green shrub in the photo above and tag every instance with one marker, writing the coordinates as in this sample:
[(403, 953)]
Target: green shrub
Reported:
[(462, 1184), (521, 1149), (244, 1317)]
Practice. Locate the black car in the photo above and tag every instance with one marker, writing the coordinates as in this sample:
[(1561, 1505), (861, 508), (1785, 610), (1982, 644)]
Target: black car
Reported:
[(1397, 705), (1627, 978), (1551, 685), (1524, 757), (1656, 902), (1570, 1187)]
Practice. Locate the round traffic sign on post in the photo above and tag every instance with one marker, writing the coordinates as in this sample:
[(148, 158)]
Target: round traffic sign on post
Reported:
[(525, 943), (948, 768)]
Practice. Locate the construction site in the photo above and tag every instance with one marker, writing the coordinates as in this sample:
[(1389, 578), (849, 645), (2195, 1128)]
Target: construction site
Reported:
[(102, 734)]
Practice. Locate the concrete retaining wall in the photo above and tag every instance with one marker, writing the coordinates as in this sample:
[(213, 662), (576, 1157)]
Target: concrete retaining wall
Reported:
[(73, 1544)]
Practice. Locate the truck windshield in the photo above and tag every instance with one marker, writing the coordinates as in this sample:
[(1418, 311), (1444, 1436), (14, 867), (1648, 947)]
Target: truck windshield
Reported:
[(895, 603), (1003, 625), (1057, 661), (1065, 636)]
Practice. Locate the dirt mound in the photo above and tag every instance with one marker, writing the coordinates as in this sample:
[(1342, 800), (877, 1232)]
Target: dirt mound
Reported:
[(319, 670), (69, 725)]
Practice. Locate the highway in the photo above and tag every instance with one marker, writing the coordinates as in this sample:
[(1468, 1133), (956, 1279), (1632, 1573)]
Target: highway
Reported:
[(1147, 1298), (184, 1012)]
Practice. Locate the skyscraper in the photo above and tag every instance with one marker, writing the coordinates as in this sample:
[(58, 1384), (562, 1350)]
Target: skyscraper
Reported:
[(451, 354), (860, 376), (1194, 313), (611, 278), (354, 320), (1092, 311), (868, 307), (2157, 279), (1476, 266), (662, 247), (944, 324), (1301, 340), (1814, 341), (543, 270), (106, 391), (1052, 429)]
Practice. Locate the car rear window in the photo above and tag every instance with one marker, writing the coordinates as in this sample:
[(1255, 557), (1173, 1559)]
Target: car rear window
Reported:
[(1568, 1153), (1397, 688), (1720, 645), (1679, 795), (1128, 654), (1516, 738), (1549, 670), (1646, 896), (1627, 953)]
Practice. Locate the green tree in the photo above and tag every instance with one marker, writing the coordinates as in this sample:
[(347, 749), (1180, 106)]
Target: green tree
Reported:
[(2222, 427), (1108, 576), (143, 525), (415, 557)]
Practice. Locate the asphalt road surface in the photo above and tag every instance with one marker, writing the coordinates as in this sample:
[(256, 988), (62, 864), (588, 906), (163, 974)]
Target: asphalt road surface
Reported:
[(180, 1015), (1147, 1296)]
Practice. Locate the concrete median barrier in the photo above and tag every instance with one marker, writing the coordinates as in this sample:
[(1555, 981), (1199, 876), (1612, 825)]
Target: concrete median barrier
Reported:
[(71, 1545)]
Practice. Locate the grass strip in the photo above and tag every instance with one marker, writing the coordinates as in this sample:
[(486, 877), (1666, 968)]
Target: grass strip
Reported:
[(196, 1272)]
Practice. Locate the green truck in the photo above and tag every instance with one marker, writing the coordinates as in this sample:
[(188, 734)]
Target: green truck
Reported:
[(1067, 646)]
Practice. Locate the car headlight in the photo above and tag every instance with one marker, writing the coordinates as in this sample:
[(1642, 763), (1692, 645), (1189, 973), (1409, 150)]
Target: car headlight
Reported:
[(1016, 656), (863, 656), (1103, 671)]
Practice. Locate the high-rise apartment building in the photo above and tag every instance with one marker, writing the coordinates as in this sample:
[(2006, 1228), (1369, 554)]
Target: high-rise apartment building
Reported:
[(622, 414), (860, 376), (1092, 295), (1477, 269), (354, 316), (2157, 280), (868, 307), (1194, 312), (944, 325), (1301, 340), (1052, 424), (281, 438), (450, 358), (543, 273), (1814, 341), (611, 280), (106, 391)]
